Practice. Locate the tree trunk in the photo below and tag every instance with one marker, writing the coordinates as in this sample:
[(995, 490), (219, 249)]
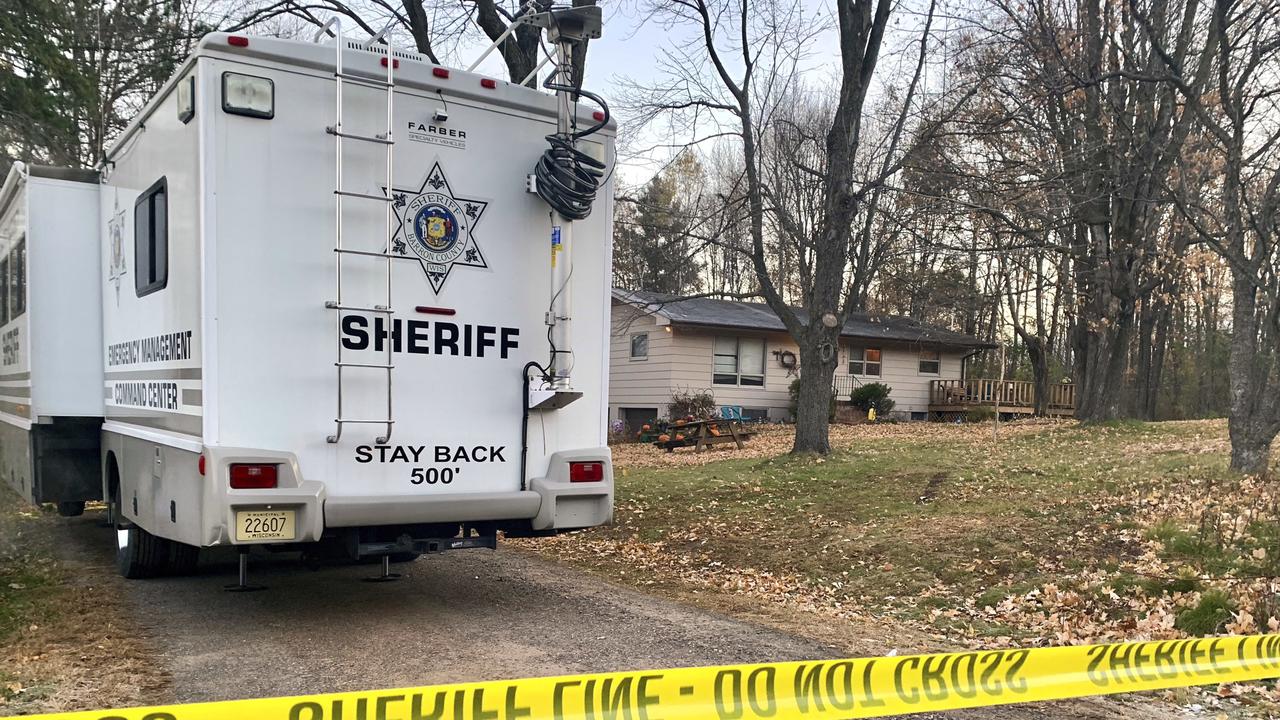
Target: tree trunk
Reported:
[(1101, 388), (813, 401), (1039, 358), (1252, 424), (1250, 448)]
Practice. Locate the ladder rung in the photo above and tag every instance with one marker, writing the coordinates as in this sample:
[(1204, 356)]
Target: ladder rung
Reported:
[(379, 139), (375, 309), (366, 196), (366, 81), (366, 422), (363, 365), (368, 253)]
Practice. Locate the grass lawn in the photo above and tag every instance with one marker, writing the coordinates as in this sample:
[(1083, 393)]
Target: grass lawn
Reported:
[(64, 644), (1054, 533)]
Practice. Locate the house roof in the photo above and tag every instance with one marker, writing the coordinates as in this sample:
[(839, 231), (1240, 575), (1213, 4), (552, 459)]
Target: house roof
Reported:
[(711, 312)]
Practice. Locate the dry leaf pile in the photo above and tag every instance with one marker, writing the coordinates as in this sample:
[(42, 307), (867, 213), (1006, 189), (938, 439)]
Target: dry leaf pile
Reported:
[(1121, 572)]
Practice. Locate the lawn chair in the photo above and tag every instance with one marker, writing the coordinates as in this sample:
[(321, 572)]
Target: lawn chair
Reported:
[(731, 412)]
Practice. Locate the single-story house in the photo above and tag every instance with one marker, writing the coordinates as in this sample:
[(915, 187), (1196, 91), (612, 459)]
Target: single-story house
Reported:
[(742, 353)]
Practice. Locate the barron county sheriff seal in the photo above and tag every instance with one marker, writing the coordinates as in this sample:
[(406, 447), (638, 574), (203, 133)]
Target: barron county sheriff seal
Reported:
[(436, 225)]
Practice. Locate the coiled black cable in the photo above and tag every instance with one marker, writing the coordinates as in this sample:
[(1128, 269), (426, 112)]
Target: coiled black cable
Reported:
[(568, 178)]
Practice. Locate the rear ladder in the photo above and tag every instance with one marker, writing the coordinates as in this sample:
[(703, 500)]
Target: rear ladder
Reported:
[(340, 193)]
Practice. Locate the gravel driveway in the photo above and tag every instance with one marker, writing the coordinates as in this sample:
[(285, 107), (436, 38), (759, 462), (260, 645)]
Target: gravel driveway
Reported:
[(462, 616)]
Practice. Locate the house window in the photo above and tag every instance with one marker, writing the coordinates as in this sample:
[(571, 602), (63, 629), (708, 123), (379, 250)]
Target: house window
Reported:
[(930, 362), (864, 361), (637, 418), (151, 239), (18, 279), (640, 346), (738, 361)]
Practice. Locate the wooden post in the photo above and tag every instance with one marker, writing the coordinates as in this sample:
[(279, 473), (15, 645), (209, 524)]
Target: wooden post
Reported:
[(995, 427)]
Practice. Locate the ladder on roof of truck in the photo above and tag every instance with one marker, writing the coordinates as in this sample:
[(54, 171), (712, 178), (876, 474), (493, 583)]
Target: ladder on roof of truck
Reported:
[(341, 77)]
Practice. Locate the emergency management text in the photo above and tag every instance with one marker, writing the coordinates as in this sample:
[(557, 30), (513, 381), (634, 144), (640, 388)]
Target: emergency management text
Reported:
[(158, 348)]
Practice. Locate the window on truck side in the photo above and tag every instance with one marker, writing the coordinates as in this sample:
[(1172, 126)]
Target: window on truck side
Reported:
[(151, 239), (4, 296), (18, 279)]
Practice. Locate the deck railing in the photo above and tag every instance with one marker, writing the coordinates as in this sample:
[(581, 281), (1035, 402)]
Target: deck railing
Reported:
[(1008, 393), (843, 386)]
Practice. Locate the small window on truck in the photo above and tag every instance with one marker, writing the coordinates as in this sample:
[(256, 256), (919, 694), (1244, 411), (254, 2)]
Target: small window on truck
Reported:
[(151, 239), (18, 279), (4, 296)]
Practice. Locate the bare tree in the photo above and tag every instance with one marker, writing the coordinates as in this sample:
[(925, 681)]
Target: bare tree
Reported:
[(809, 180), (1239, 216), (1082, 77)]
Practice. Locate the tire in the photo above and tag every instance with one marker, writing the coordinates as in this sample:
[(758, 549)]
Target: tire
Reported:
[(185, 560), (139, 554), (71, 508)]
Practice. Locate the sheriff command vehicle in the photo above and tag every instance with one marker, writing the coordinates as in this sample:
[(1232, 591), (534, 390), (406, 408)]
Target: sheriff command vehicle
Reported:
[(351, 303)]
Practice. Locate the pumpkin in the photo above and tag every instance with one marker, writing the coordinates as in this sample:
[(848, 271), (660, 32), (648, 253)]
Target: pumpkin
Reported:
[(715, 431), (680, 423), (646, 428), (679, 436), (664, 437)]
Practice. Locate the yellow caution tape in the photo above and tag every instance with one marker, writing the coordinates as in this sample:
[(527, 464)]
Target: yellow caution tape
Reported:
[(867, 687)]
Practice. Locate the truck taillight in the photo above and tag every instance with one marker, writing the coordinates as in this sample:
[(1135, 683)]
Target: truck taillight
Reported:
[(253, 477), (586, 472)]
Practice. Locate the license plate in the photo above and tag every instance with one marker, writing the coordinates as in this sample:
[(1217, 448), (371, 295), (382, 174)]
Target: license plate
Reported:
[(265, 525)]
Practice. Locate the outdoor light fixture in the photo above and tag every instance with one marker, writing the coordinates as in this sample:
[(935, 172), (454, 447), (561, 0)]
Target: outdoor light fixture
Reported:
[(248, 95), (187, 99)]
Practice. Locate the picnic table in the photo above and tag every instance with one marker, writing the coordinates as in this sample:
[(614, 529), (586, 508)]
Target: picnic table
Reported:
[(699, 434)]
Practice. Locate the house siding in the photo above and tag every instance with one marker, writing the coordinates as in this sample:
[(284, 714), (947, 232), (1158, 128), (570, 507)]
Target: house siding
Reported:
[(638, 383), (681, 358)]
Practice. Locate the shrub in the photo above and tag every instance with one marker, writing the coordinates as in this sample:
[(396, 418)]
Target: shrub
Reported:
[(700, 404), (1208, 616), (794, 391), (865, 397), (979, 414)]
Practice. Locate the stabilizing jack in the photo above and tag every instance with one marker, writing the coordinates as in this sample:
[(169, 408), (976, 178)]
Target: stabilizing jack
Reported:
[(387, 575), (243, 584)]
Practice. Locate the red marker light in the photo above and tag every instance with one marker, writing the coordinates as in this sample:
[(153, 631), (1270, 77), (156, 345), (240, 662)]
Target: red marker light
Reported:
[(440, 72), (200, 466), (598, 116), (586, 471), (394, 66), (488, 83), (237, 41), (253, 477)]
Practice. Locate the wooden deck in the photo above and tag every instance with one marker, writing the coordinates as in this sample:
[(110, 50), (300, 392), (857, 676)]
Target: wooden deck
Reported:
[(1013, 397)]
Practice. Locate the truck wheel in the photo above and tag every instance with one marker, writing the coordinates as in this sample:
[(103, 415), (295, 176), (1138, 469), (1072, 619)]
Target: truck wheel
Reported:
[(185, 559), (71, 508), (139, 554)]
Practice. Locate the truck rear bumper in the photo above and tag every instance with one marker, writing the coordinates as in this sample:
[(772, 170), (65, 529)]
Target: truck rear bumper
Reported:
[(412, 509), (552, 502)]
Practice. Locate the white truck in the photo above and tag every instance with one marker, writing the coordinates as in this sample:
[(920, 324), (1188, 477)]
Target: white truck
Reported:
[(335, 316), (50, 336)]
